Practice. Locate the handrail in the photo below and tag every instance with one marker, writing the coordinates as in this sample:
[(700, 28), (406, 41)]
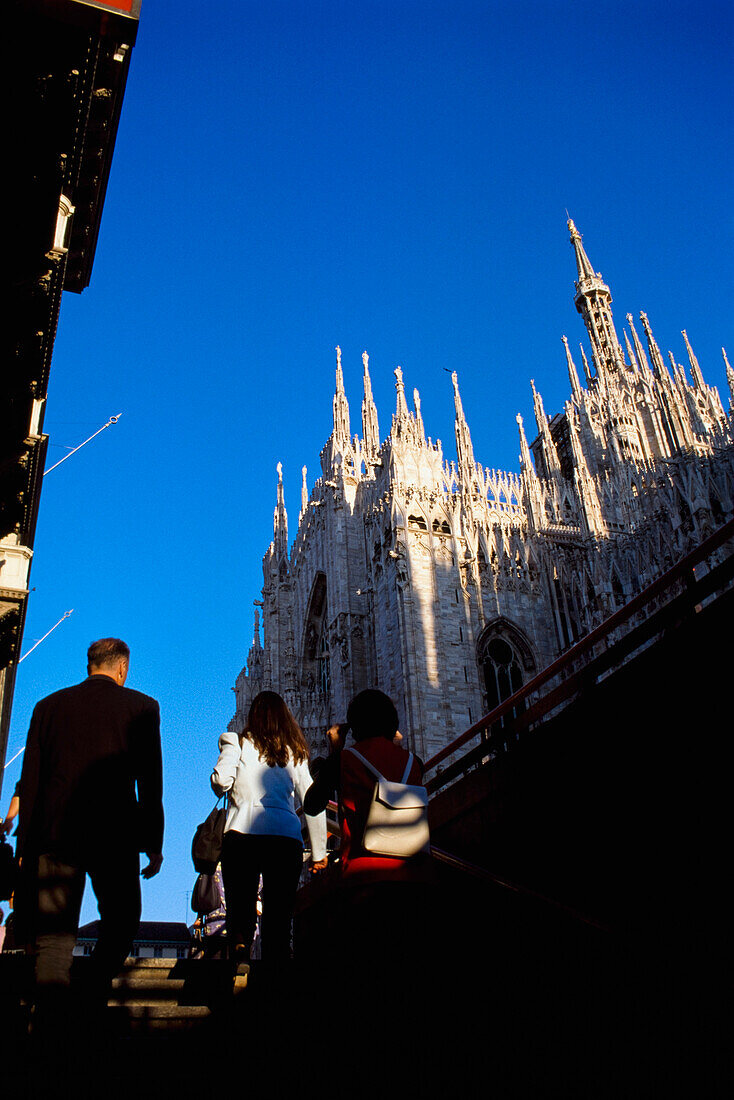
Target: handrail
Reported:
[(620, 616), (484, 874), (515, 887), (685, 566)]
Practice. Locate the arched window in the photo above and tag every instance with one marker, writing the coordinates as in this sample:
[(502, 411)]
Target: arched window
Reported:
[(417, 522), (506, 662), (502, 671), (315, 645)]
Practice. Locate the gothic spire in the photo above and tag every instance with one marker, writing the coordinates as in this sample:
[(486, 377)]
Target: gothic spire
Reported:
[(418, 418), (549, 447), (639, 350), (464, 449), (730, 380), (587, 368), (674, 418), (631, 353), (593, 301), (370, 428), (678, 372), (541, 419), (304, 490), (341, 407), (532, 493), (525, 460), (695, 369), (583, 263), (280, 519), (401, 408), (572, 373), (658, 363)]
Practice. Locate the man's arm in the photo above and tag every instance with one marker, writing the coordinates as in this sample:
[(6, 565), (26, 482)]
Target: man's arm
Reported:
[(324, 786), (327, 781), (9, 820), (29, 780), (153, 866), (150, 789)]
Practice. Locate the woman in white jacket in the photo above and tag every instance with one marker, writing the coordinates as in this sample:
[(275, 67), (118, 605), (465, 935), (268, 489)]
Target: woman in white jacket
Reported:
[(262, 836)]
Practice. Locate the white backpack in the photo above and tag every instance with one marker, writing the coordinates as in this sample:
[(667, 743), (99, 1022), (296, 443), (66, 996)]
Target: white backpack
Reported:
[(397, 821)]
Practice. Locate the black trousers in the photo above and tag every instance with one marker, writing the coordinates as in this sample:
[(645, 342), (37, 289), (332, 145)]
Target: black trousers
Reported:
[(279, 859), (59, 891)]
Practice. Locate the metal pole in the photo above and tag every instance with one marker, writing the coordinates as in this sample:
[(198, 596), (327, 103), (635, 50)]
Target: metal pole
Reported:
[(64, 616), (112, 420), (12, 758)]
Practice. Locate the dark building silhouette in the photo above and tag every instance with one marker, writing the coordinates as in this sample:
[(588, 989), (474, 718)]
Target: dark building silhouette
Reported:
[(68, 63)]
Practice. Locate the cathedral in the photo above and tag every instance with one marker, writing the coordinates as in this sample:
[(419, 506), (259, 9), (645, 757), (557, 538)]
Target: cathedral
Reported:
[(448, 584)]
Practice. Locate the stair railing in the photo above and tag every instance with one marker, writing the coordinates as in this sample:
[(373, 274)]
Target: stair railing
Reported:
[(687, 602)]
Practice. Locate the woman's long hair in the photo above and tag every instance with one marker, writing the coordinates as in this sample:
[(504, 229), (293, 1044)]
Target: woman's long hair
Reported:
[(274, 731)]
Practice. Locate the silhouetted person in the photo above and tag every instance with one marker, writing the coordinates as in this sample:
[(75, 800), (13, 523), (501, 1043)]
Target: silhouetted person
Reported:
[(262, 770), (381, 896), (90, 802), (7, 823)]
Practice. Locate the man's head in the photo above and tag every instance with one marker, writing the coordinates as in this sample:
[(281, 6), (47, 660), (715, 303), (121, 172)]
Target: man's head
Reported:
[(109, 657), (372, 714)]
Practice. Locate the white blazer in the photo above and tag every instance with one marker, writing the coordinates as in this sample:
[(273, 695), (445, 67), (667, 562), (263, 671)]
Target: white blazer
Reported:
[(261, 797)]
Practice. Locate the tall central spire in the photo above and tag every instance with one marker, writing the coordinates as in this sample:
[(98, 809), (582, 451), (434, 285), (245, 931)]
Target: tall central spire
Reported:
[(341, 406), (593, 301), (583, 263)]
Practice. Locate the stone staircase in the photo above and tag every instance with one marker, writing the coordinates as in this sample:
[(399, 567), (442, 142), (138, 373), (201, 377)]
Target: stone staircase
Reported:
[(149, 996), (168, 994)]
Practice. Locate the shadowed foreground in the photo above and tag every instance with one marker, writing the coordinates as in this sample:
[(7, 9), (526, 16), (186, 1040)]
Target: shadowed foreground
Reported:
[(531, 1010)]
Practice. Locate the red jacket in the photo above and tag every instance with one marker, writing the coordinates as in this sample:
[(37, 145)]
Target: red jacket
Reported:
[(356, 787)]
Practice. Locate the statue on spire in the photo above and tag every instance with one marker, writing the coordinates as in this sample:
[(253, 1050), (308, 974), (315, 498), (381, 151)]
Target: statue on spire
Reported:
[(370, 428), (401, 411), (341, 406), (280, 518)]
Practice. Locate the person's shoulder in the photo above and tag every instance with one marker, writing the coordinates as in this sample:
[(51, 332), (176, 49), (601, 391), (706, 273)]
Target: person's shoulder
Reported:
[(378, 746), (231, 739), (301, 766), (382, 752), (139, 699), (58, 696)]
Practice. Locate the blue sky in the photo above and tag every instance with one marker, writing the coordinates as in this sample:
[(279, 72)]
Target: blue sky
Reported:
[(391, 176)]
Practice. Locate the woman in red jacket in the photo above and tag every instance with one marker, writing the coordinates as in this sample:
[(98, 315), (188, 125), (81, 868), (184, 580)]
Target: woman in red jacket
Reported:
[(373, 721)]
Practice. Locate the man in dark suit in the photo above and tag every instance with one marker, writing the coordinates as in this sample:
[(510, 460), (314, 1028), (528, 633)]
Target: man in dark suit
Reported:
[(90, 801)]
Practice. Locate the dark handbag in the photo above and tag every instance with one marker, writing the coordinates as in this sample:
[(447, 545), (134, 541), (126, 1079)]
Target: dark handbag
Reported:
[(207, 896), (8, 871), (206, 847)]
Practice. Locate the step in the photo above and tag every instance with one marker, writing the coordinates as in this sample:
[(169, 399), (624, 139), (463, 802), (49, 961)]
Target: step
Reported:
[(137, 1018), (200, 983), (149, 995)]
